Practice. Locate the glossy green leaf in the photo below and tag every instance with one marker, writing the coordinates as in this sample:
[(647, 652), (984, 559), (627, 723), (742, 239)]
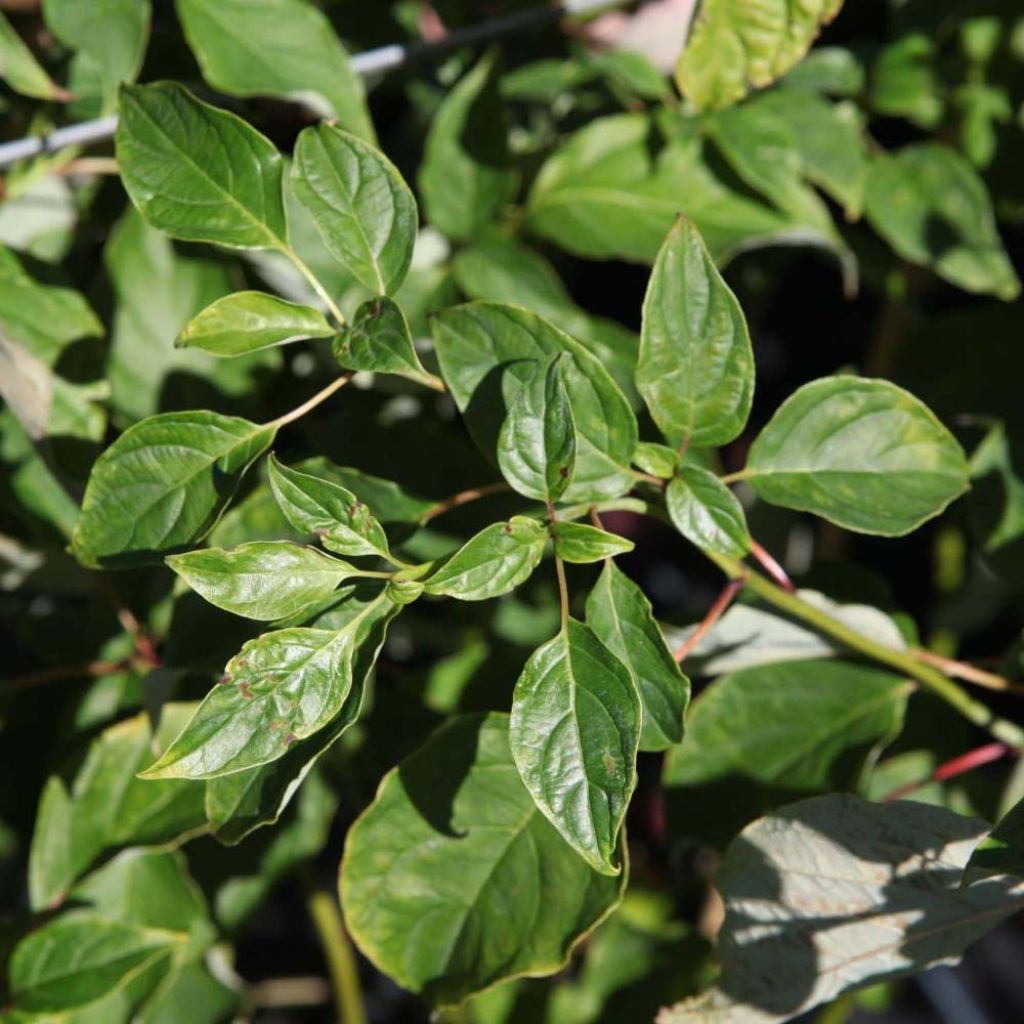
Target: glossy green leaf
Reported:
[(930, 205), (280, 688), (20, 69), (613, 190), (107, 807), (537, 443), (363, 209), (109, 39), (578, 542), (276, 48), (706, 512), (42, 318), (79, 958), (317, 505), (378, 340), (197, 172), (657, 459), (862, 453), (736, 45), (248, 321), (788, 723), (696, 367), (487, 351), (263, 580), (163, 484), (466, 176), (575, 731), (493, 562), (620, 615), (239, 803), (453, 849), (872, 890)]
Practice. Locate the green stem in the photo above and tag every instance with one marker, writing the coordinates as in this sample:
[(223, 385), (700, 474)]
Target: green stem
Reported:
[(303, 269), (312, 403), (740, 474), (341, 961), (943, 687)]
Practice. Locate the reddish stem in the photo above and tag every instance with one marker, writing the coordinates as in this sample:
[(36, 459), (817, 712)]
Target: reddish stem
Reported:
[(772, 567), (715, 612), (954, 767)]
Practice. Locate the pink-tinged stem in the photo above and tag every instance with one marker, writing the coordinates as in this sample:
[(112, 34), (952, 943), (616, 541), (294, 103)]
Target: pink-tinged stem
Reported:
[(957, 766), (772, 567), (724, 599)]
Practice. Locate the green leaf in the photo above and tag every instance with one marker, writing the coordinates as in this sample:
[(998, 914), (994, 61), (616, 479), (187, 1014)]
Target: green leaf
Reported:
[(861, 453), (930, 205), (466, 176), (281, 48), (1002, 851), (79, 958), (614, 189), (163, 484), (453, 849), (20, 69), (620, 615), (575, 731), (577, 542), (871, 890), (487, 351), (108, 807), (832, 70), (109, 39), (199, 173), (537, 443), (158, 290), (249, 321), (263, 580), (281, 687), (696, 367), (904, 81), (333, 514), (363, 209), (378, 340), (493, 562), (244, 801), (706, 512), (657, 459), (736, 45), (44, 319)]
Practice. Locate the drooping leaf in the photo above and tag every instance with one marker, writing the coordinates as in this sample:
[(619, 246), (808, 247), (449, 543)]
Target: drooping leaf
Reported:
[(696, 367), (620, 615), (493, 562), (239, 803), (20, 69), (276, 48), (163, 484), (746, 636), (614, 189), (363, 209), (862, 453), (466, 175), (107, 807), (329, 511), (833, 893), (706, 512), (378, 340), (248, 321), (199, 173), (453, 849), (280, 688), (580, 543), (736, 45), (930, 205), (263, 580), (109, 39), (79, 958), (537, 443), (575, 731), (487, 350)]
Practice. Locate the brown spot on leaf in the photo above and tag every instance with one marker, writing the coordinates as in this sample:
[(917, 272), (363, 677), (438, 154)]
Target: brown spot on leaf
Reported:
[(243, 689)]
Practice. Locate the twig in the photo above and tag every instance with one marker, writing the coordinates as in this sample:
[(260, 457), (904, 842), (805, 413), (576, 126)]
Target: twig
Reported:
[(969, 673), (312, 403), (951, 769), (92, 670), (771, 566), (341, 962), (462, 498), (715, 612)]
